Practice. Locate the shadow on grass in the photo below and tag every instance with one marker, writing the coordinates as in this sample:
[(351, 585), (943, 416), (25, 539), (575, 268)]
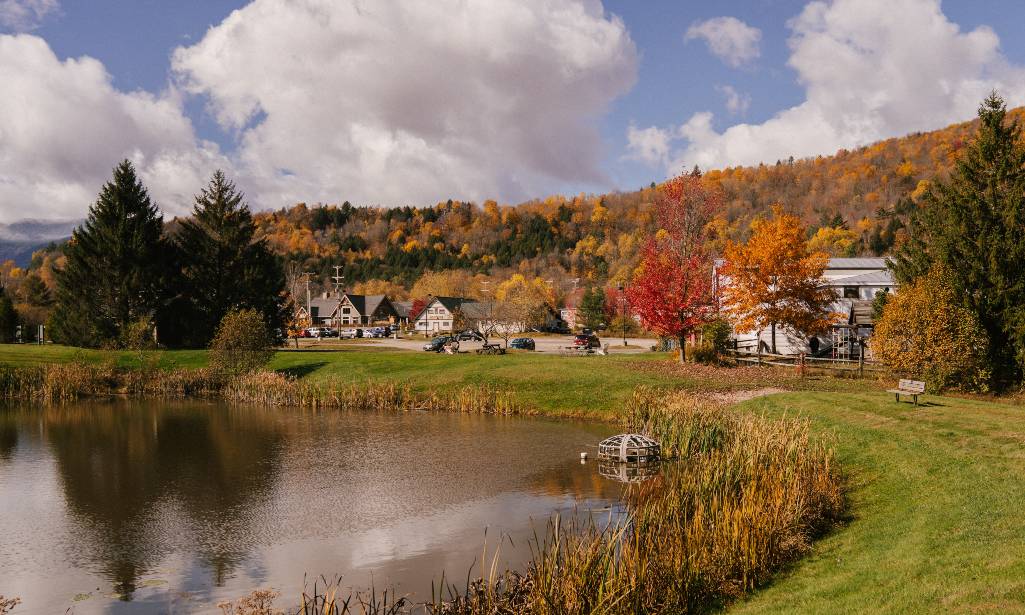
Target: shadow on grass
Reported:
[(301, 371)]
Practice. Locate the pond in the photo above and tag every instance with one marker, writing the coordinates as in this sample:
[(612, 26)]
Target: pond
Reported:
[(153, 507)]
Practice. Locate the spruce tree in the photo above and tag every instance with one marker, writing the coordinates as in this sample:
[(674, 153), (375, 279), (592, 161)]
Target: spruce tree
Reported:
[(974, 225), (224, 267), (8, 317), (116, 266), (591, 311)]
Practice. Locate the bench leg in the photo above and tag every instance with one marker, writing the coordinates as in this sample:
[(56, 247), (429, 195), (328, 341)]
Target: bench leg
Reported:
[(896, 397), (916, 400)]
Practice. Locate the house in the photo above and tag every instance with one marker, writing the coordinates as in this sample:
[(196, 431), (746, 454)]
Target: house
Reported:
[(321, 310), (365, 310), (402, 311), (855, 281), (349, 309), (439, 314)]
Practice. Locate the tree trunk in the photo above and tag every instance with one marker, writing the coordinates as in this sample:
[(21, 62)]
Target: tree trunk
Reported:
[(773, 328), (683, 348)]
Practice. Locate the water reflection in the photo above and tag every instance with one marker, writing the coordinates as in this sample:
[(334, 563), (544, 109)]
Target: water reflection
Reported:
[(136, 507), (628, 472), (132, 476)]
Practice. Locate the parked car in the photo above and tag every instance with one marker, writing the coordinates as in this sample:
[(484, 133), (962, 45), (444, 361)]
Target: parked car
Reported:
[(379, 332), (522, 343), (469, 336), (349, 334), (328, 332), (587, 340), (320, 332), (438, 344)]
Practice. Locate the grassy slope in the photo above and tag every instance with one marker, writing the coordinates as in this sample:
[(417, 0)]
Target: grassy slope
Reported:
[(937, 491), (938, 499)]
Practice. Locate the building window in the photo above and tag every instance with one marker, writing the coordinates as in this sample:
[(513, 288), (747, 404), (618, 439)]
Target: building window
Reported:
[(346, 310), (850, 292), (446, 324)]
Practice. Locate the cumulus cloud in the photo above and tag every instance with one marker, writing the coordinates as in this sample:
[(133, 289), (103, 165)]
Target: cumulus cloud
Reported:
[(871, 69), (731, 40), (404, 102), (650, 145), (737, 103), (63, 127), (22, 15)]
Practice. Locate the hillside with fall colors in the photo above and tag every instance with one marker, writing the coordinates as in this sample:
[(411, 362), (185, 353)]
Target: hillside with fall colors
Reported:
[(854, 203)]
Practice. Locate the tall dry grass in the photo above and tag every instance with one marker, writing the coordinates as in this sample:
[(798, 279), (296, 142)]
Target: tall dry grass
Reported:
[(59, 383), (280, 390)]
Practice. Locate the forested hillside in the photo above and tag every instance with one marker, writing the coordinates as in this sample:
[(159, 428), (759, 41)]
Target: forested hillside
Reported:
[(853, 201)]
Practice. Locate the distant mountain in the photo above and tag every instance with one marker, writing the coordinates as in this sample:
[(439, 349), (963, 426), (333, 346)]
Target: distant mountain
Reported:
[(19, 240)]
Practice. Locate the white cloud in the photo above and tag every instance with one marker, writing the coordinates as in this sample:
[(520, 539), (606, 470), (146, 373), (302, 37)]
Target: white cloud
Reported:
[(731, 40), (63, 127), (650, 145), (737, 103), (398, 102), (22, 15), (871, 69)]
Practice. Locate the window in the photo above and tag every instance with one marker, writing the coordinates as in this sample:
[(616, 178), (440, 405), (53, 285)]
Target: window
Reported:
[(446, 324), (346, 310), (850, 292)]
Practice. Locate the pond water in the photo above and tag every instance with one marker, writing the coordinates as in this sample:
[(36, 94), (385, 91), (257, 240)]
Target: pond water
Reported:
[(143, 507)]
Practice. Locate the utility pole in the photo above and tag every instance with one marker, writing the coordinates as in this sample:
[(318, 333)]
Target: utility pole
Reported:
[(309, 310), (338, 281)]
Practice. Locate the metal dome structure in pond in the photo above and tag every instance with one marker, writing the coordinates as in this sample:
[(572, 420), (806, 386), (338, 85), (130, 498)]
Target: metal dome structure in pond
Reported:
[(629, 448)]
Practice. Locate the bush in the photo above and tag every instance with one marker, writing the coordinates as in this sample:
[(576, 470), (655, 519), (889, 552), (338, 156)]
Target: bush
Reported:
[(926, 333), (243, 343)]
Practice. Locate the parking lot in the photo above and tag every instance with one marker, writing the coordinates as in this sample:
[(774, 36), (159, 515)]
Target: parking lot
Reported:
[(543, 343)]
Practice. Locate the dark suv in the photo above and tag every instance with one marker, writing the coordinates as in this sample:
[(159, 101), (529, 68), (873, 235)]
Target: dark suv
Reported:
[(438, 344)]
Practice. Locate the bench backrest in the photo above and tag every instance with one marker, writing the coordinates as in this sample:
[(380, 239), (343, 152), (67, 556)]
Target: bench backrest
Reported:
[(911, 385)]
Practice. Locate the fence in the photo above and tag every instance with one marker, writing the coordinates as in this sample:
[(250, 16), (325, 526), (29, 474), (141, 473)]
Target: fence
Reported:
[(803, 362)]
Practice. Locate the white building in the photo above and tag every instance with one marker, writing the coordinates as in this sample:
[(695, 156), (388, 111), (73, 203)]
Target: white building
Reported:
[(855, 282)]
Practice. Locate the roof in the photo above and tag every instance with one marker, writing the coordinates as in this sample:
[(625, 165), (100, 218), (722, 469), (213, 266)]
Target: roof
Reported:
[(872, 278), (471, 308), (875, 262), (366, 305), (402, 308), (324, 306)]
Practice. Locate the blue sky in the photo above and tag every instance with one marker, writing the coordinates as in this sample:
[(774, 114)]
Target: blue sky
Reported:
[(292, 100)]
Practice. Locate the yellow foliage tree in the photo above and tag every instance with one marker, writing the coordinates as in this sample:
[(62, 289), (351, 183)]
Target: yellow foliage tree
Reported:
[(834, 241), (776, 280), (925, 333)]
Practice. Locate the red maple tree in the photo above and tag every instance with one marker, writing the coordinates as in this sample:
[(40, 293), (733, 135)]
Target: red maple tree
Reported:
[(672, 287)]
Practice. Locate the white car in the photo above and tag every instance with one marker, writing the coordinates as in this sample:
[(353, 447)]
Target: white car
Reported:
[(348, 334)]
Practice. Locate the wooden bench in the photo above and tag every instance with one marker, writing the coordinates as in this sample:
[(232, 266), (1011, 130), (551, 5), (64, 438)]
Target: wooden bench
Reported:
[(911, 388)]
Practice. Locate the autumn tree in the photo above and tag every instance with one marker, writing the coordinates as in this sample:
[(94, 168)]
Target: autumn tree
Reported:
[(774, 280), (671, 290), (973, 225), (525, 301), (8, 317), (117, 268), (925, 332)]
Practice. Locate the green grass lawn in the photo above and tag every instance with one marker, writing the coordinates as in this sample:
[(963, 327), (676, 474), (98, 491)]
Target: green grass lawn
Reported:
[(938, 506)]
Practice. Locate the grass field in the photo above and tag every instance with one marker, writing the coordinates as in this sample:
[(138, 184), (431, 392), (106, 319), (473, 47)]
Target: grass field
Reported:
[(937, 491), (938, 494)]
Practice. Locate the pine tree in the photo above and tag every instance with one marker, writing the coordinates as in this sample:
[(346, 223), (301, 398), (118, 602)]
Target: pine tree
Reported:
[(974, 226), (8, 317), (116, 267), (224, 266), (591, 311)]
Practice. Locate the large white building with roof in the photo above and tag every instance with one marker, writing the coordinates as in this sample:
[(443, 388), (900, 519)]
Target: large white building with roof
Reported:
[(855, 282)]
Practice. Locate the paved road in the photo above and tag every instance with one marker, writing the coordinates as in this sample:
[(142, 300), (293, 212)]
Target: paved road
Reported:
[(542, 344)]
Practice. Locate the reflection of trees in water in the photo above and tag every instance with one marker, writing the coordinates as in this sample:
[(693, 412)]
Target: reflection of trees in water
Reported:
[(143, 478), (581, 482), (8, 435)]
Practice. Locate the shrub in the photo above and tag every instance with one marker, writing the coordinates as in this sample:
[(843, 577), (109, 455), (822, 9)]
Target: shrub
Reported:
[(926, 333), (243, 343)]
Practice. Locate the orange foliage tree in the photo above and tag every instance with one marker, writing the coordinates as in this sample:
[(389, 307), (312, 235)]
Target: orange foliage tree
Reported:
[(776, 280), (671, 290)]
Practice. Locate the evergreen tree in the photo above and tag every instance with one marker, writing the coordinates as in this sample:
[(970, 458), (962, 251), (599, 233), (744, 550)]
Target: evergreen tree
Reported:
[(116, 266), (34, 291), (8, 317), (591, 311), (974, 226), (224, 267)]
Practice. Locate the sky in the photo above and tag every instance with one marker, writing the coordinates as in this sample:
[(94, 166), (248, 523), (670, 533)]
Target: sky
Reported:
[(391, 102)]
